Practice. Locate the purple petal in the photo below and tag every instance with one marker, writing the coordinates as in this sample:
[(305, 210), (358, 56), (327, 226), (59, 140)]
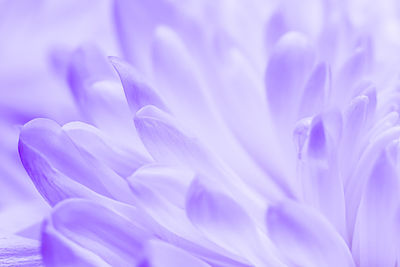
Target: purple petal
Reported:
[(160, 254), (98, 229), (50, 156), (315, 91), (19, 251), (356, 183), (306, 238), (87, 65), (122, 160), (225, 223), (137, 92), (355, 120), (168, 182), (288, 69), (322, 184), (168, 143), (376, 224), (350, 73), (60, 251)]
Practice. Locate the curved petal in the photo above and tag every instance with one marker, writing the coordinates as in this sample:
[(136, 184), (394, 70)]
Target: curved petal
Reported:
[(19, 251), (98, 229), (356, 184), (320, 175), (306, 238), (59, 251), (225, 223), (374, 241), (122, 160), (168, 143), (288, 69), (153, 196), (137, 92), (349, 75), (160, 254), (168, 182), (53, 161), (315, 91)]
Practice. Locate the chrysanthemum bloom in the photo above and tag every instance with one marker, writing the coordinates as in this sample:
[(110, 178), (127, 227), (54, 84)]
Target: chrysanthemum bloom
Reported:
[(231, 134)]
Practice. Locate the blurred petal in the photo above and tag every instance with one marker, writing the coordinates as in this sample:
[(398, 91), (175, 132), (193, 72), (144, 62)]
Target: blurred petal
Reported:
[(356, 184), (87, 65), (305, 237), (168, 143), (59, 251), (315, 91), (168, 182), (153, 187), (160, 254), (322, 184), (374, 242), (19, 251), (288, 69), (96, 228), (355, 120), (224, 222), (350, 73)]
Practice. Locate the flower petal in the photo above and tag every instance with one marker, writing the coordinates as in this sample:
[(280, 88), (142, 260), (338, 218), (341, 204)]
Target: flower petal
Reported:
[(122, 160), (225, 223), (306, 238), (322, 184), (168, 143), (160, 254), (349, 75), (315, 91), (53, 161), (287, 70), (137, 92), (153, 197), (356, 184), (98, 229), (355, 119), (19, 251), (374, 241), (59, 251), (168, 182)]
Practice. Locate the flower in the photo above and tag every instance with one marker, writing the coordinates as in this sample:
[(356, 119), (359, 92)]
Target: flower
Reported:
[(225, 134)]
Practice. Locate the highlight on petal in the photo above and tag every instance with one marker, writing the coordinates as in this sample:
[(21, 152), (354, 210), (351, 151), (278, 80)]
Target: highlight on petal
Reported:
[(376, 228), (58, 168), (19, 251), (93, 227), (306, 238)]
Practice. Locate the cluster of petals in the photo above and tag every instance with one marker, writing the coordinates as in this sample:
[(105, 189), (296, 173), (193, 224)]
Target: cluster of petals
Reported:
[(225, 133)]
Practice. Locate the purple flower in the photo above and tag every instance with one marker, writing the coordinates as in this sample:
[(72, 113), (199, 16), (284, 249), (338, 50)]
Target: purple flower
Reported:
[(220, 133)]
